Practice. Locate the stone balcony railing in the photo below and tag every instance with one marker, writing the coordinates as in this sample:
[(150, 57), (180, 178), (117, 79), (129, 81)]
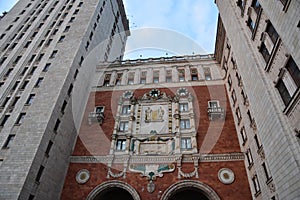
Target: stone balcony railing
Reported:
[(216, 113), (96, 117)]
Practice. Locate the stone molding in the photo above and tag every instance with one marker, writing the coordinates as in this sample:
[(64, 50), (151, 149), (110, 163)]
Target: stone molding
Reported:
[(158, 159)]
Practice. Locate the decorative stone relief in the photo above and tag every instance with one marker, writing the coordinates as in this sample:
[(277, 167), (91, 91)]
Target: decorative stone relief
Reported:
[(226, 175), (118, 175), (82, 176)]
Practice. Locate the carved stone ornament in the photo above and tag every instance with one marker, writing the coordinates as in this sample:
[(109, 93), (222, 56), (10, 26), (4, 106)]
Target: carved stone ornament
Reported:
[(82, 176), (182, 92), (127, 94), (150, 186), (152, 170), (226, 175)]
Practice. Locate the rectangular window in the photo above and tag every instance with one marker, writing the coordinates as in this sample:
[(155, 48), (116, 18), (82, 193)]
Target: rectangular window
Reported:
[(24, 85), (30, 99), (272, 32), (155, 76), (183, 107), (5, 102), (257, 142), (243, 134), (143, 77), (17, 59), (266, 170), (20, 119), (207, 74), (56, 126), (49, 146), (126, 110), (38, 82), (70, 89), (16, 99), (119, 79), (39, 174), (238, 114), (284, 93), (229, 81), (99, 109), (4, 120), (106, 80), (264, 52), (27, 44), (123, 126), (185, 124), (249, 158), (121, 145), (251, 24), (194, 74), (294, 71), (181, 75), (233, 97), (8, 142), (256, 6), (67, 29), (61, 39), (46, 68), (186, 143), (169, 76), (54, 53), (256, 184)]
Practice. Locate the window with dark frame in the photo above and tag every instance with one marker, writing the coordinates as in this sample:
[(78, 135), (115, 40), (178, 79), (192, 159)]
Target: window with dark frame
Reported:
[(284, 93), (20, 119), (272, 32), (186, 143), (9, 141), (121, 145), (123, 126), (185, 124)]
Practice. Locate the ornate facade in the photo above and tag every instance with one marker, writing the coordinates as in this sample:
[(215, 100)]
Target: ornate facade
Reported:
[(166, 132)]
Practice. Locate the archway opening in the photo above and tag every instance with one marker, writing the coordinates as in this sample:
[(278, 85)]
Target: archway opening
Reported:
[(189, 193), (114, 193)]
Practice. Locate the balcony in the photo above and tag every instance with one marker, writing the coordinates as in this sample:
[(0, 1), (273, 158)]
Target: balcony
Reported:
[(96, 117), (215, 113)]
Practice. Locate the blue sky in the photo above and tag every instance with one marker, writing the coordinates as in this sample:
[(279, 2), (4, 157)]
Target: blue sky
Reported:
[(165, 27)]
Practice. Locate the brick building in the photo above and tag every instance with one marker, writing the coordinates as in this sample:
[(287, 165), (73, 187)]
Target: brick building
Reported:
[(158, 129)]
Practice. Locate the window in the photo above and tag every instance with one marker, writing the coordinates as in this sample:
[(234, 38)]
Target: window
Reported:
[(249, 158), (119, 79), (272, 32), (40, 57), (60, 23), (13, 46), (126, 109), (20, 119), (229, 81), (39, 174), (16, 99), (8, 72), (76, 12), (9, 27), (266, 170), (67, 29), (46, 68), (183, 107), (184, 124), (238, 114), (70, 89), (264, 52), (256, 184), (284, 93), (15, 85), (56, 126), (81, 60), (186, 143), (49, 42), (169, 76), (123, 126), (5, 101), (4, 119), (2, 36), (38, 82), (99, 109), (49, 146), (155, 76), (257, 141), (24, 85), (130, 80), (213, 104), (3, 60), (251, 24), (181, 75), (243, 134), (27, 44), (30, 99), (233, 97), (121, 145), (31, 59), (294, 71), (8, 142), (17, 59), (256, 6), (194, 74), (207, 74), (91, 35), (61, 39), (53, 54), (41, 43), (106, 80), (72, 20)]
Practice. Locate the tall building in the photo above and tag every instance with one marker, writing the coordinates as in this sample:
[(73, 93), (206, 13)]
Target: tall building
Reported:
[(158, 128), (259, 51), (44, 81)]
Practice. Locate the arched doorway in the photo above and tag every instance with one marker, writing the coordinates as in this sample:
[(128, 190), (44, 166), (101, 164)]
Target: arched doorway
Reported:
[(191, 190), (113, 190)]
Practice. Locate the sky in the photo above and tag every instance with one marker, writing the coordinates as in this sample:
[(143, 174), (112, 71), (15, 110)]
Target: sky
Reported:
[(165, 27)]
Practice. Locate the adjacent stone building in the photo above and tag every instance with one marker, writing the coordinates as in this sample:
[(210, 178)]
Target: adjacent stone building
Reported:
[(44, 44), (259, 51)]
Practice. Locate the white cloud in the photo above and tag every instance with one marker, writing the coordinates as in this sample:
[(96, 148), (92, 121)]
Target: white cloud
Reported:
[(193, 18)]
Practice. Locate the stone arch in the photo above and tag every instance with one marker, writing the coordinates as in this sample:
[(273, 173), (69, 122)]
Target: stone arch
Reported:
[(185, 184), (113, 184)]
